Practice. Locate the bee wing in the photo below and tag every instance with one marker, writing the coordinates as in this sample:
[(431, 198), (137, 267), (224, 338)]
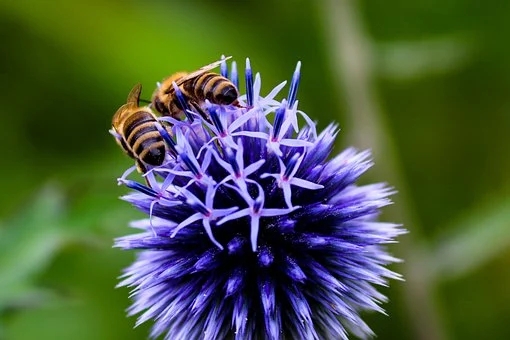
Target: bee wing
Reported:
[(134, 96), (202, 70), (116, 119)]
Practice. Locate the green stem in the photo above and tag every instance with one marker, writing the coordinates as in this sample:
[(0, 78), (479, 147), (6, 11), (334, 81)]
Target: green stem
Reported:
[(351, 53)]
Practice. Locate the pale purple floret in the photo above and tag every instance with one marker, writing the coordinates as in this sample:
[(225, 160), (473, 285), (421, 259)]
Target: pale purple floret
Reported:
[(286, 178), (254, 231)]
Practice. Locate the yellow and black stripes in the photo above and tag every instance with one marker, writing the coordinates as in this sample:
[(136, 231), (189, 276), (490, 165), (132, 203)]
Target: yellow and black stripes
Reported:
[(211, 86), (143, 138), (196, 88), (137, 133)]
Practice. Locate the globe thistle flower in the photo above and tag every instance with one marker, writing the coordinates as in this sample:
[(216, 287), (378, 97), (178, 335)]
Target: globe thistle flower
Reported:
[(254, 232)]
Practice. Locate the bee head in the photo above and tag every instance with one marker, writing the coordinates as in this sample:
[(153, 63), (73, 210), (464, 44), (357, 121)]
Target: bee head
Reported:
[(159, 105)]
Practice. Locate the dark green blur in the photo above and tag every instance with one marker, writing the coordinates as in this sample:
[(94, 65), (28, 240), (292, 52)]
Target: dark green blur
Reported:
[(441, 76)]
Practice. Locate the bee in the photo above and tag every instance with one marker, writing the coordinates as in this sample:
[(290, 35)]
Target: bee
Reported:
[(135, 130), (196, 88)]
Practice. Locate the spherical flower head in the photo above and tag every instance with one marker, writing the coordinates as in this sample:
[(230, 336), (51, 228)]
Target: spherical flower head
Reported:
[(253, 230)]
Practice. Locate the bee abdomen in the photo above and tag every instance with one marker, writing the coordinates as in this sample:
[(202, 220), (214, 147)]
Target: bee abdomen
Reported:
[(135, 121), (198, 87), (217, 89), (155, 154), (121, 142), (150, 148), (139, 131), (224, 93)]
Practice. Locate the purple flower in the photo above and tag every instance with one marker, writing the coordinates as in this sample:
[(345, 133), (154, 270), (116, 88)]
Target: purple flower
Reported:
[(254, 232)]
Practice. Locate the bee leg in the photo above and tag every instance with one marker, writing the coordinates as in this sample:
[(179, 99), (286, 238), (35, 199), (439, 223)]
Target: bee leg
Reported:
[(199, 110), (121, 142), (147, 182), (142, 169), (237, 104)]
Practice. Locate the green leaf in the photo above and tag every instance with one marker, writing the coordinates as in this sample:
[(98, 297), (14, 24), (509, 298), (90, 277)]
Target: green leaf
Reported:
[(480, 236), (28, 243)]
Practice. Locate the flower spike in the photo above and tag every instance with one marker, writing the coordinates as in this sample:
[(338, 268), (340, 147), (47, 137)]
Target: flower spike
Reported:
[(249, 83), (291, 98), (223, 67), (254, 229), (233, 74), (182, 101)]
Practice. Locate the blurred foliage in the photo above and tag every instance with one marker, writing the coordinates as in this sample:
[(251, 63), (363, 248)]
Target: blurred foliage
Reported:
[(442, 77)]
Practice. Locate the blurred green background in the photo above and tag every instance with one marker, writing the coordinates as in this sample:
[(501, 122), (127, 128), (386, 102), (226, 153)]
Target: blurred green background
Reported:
[(424, 83)]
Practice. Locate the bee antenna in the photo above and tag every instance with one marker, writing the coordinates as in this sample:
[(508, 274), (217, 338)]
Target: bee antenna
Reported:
[(145, 101)]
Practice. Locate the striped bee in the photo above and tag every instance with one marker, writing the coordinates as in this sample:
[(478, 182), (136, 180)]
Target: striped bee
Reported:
[(196, 88), (135, 130)]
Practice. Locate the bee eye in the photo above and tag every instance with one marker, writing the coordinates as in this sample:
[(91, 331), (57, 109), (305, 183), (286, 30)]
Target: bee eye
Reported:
[(160, 107)]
